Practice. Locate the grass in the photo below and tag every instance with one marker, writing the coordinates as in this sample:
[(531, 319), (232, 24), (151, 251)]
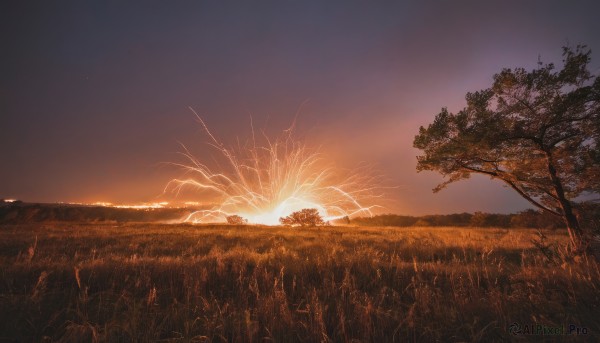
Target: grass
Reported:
[(182, 283)]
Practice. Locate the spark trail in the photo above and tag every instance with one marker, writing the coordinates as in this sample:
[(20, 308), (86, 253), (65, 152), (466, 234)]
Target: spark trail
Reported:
[(265, 181)]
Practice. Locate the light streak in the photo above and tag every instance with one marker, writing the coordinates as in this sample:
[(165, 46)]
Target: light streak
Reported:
[(264, 181)]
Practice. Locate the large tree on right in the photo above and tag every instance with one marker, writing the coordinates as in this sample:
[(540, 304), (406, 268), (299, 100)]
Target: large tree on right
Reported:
[(537, 131)]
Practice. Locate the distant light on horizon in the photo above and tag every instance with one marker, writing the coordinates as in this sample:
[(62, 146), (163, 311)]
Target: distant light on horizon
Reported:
[(140, 206)]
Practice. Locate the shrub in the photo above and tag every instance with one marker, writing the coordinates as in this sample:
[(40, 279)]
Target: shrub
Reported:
[(305, 217), (236, 220)]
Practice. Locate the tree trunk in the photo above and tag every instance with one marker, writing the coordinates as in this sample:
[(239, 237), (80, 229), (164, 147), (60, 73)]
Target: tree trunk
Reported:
[(575, 232)]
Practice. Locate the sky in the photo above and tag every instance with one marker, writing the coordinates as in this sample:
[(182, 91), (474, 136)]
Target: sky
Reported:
[(95, 96)]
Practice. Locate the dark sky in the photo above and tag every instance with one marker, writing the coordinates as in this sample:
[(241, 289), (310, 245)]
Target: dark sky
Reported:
[(95, 95)]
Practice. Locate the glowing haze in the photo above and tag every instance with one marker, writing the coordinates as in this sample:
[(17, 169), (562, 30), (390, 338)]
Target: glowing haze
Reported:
[(269, 178)]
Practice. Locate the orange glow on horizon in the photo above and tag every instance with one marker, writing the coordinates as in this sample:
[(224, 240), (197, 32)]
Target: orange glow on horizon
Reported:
[(140, 206)]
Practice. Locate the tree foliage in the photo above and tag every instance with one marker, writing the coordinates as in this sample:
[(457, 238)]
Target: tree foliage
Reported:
[(537, 131), (236, 220), (305, 217)]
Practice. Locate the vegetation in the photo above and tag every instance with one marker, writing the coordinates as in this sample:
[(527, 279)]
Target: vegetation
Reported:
[(305, 217), (537, 131), (236, 220), (12, 213), (525, 219), (199, 283), (20, 212)]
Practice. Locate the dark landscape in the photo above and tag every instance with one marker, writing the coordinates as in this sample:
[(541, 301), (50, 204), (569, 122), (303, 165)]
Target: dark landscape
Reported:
[(116, 281), (299, 171)]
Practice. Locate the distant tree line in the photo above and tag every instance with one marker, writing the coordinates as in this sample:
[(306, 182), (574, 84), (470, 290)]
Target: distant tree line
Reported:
[(528, 218), (19, 212)]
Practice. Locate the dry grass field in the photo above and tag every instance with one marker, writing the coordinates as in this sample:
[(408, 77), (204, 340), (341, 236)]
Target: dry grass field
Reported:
[(189, 283)]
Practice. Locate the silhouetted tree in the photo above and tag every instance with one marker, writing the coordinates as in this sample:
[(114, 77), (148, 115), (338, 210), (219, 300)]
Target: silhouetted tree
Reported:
[(346, 220), (305, 217), (236, 220), (537, 131)]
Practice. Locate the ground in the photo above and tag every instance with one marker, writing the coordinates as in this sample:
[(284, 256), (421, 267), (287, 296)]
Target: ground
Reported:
[(195, 283)]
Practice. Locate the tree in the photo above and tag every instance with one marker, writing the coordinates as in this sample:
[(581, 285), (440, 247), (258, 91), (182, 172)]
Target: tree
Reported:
[(305, 217), (537, 131), (236, 220)]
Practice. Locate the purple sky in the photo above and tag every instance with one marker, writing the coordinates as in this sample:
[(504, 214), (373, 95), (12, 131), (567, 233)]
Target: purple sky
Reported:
[(95, 95)]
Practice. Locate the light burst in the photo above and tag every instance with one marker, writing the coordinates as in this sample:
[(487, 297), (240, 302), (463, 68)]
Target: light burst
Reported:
[(265, 181)]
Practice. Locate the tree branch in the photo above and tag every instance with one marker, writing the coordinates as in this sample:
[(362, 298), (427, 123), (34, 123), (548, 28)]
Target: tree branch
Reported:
[(556, 141), (531, 200), (513, 186), (526, 104)]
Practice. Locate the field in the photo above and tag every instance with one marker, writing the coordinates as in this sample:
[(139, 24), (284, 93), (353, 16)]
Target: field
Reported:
[(64, 282)]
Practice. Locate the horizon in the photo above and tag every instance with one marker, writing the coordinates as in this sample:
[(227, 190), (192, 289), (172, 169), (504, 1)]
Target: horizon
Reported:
[(186, 205)]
